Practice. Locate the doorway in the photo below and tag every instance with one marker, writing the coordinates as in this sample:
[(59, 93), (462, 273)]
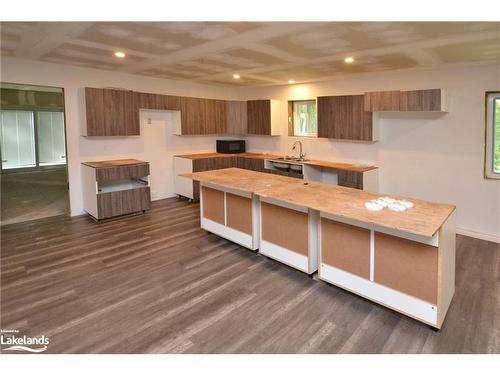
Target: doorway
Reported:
[(34, 179)]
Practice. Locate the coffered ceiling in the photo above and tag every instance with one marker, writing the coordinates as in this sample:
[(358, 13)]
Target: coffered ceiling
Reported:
[(262, 53)]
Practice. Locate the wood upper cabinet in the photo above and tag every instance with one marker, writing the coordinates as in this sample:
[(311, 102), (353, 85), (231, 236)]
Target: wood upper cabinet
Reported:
[(158, 102), (344, 117), (111, 112), (381, 101), (236, 117), (432, 100), (215, 117), (192, 115), (261, 117)]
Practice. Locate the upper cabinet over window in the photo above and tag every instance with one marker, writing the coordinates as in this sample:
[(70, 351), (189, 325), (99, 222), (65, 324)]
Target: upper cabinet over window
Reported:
[(492, 151), (111, 113)]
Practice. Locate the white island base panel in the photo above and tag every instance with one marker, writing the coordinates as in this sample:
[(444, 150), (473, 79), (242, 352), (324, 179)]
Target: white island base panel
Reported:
[(231, 214), (403, 303), (289, 234)]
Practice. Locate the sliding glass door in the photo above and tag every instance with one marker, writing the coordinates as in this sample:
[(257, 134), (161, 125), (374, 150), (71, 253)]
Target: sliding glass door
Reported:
[(32, 139), (50, 130), (18, 139)]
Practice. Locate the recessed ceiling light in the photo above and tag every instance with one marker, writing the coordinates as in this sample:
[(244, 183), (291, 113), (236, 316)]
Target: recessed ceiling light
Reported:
[(236, 76), (120, 54), (349, 60), (291, 81)]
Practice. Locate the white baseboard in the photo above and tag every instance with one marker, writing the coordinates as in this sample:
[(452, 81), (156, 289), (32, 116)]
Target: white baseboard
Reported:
[(478, 235)]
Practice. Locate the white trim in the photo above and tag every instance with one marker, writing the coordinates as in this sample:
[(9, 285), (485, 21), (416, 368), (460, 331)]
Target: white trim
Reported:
[(231, 234), (290, 206), (372, 255), (313, 223), (408, 305), (479, 235), (490, 136), (285, 256), (433, 241), (256, 221)]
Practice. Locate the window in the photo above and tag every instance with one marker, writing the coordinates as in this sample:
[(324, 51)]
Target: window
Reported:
[(303, 118), (492, 156)]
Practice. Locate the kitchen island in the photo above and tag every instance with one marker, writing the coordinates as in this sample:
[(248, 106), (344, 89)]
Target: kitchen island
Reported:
[(402, 260)]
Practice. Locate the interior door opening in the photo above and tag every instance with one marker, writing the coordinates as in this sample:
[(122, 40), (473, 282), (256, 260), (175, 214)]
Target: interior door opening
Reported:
[(34, 178)]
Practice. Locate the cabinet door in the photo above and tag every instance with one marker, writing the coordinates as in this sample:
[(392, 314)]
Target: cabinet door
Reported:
[(214, 117), (344, 117), (251, 164), (421, 100), (325, 116), (94, 105), (259, 117), (192, 116), (381, 101), (236, 117), (350, 179), (121, 115), (111, 112)]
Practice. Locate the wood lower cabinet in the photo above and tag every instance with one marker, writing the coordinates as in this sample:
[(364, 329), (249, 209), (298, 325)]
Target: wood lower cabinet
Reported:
[(350, 179), (191, 189), (115, 188), (123, 202), (111, 113), (252, 164), (344, 117), (381, 101)]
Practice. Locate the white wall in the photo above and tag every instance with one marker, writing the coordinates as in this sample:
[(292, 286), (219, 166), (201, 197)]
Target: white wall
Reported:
[(156, 143), (436, 157)]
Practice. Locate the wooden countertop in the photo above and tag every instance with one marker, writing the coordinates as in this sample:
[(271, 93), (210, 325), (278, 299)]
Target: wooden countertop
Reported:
[(113, 163), (424, 219), (255, 155)]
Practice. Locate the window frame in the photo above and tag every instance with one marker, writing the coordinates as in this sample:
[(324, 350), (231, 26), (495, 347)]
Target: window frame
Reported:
[(293, 115), (491, 97)]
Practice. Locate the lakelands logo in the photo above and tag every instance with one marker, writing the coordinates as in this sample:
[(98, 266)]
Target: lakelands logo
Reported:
[(11, 342)]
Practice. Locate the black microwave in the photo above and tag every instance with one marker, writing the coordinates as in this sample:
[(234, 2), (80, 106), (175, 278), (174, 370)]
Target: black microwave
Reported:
[(230, 146)]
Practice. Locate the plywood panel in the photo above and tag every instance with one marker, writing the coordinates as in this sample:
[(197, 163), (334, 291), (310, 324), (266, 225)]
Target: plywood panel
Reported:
[(213, 204), (346, 247), (285, 227), (407, 266), (239, 213)]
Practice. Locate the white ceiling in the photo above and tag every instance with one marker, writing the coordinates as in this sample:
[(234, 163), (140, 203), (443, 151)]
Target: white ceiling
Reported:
[(262, 53)]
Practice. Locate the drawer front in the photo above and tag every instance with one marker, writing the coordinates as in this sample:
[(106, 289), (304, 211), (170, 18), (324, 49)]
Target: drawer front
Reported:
[(122, 172), (123, 202)]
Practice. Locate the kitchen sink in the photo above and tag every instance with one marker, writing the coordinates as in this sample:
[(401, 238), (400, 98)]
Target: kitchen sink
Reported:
[(291, 158)]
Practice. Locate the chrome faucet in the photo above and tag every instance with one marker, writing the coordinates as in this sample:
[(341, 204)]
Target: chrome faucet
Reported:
[(301, 155)]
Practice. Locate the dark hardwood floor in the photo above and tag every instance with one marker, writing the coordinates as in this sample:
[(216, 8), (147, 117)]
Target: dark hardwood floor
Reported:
[(157, 283)]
